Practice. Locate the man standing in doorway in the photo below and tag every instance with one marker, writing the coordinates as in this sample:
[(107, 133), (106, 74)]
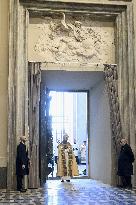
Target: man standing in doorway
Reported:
[(66, 166), (125, 167), (22, 163)]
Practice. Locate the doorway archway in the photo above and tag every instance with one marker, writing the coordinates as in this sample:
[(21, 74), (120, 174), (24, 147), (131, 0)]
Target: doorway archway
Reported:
[(74, 80), (18, 101)]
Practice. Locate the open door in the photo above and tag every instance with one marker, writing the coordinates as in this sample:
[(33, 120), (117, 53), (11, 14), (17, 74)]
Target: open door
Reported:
[(34, 80), (46, 140)]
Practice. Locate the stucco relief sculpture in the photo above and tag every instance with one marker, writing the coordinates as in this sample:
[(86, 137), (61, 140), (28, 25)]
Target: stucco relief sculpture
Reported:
[(64, 41)]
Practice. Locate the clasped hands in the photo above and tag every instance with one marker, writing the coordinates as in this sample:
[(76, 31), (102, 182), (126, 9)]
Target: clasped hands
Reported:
[(23, 166)]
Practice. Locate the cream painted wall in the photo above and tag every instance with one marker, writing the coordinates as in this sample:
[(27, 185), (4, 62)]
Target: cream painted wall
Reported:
[(4, 4), (100, 134)]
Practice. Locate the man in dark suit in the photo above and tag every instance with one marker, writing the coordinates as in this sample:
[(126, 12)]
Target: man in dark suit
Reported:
[(22, 163), (125, 166)]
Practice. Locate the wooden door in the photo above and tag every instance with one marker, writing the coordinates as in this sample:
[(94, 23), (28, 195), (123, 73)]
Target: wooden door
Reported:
[(46, 141), (34, 80)]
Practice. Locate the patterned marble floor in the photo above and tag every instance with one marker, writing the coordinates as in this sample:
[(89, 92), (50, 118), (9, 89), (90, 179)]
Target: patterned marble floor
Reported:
[(77, 192)]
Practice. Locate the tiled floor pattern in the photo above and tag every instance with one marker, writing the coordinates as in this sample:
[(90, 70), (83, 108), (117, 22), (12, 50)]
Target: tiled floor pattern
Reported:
[(77, 192)]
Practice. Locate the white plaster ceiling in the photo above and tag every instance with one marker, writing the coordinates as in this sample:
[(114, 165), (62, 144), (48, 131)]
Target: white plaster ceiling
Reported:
[(71, 80)]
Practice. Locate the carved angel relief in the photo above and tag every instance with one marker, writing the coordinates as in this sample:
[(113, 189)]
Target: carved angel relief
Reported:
[(61, 41)]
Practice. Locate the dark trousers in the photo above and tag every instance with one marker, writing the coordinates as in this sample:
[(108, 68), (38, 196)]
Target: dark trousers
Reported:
[(19, 182), (56, 159), (77, 160), (126, 181)]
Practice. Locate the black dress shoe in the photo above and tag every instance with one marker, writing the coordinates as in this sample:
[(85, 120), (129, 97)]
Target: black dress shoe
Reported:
[(62, 180), (21, 190), (129, 187), (121, 186), (68, 180)]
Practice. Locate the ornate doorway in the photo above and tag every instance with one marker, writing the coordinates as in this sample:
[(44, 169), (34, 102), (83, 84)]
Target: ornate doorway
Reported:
[(20, 11)]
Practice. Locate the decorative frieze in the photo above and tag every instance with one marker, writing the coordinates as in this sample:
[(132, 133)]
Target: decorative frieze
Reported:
[(71, 39)]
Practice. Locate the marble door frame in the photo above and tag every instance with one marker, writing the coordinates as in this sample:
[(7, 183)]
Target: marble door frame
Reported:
[(20, 11)]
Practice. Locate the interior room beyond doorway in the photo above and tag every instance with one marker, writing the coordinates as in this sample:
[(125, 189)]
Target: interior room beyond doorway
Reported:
[(69, 115), (98, 114)]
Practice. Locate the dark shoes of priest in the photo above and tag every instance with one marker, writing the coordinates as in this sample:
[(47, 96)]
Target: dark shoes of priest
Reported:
[(66, 180), (62, 180)]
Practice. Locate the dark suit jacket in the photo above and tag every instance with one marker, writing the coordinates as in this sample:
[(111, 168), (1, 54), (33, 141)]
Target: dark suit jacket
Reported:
[(125, 160), (22, 159)]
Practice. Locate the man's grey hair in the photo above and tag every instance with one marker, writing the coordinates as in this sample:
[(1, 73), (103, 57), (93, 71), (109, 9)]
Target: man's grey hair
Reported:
[(124, 140), (22, 137), (65, 136)]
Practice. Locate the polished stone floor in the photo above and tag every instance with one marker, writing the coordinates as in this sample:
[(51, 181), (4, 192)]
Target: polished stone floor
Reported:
[(77, 192)]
